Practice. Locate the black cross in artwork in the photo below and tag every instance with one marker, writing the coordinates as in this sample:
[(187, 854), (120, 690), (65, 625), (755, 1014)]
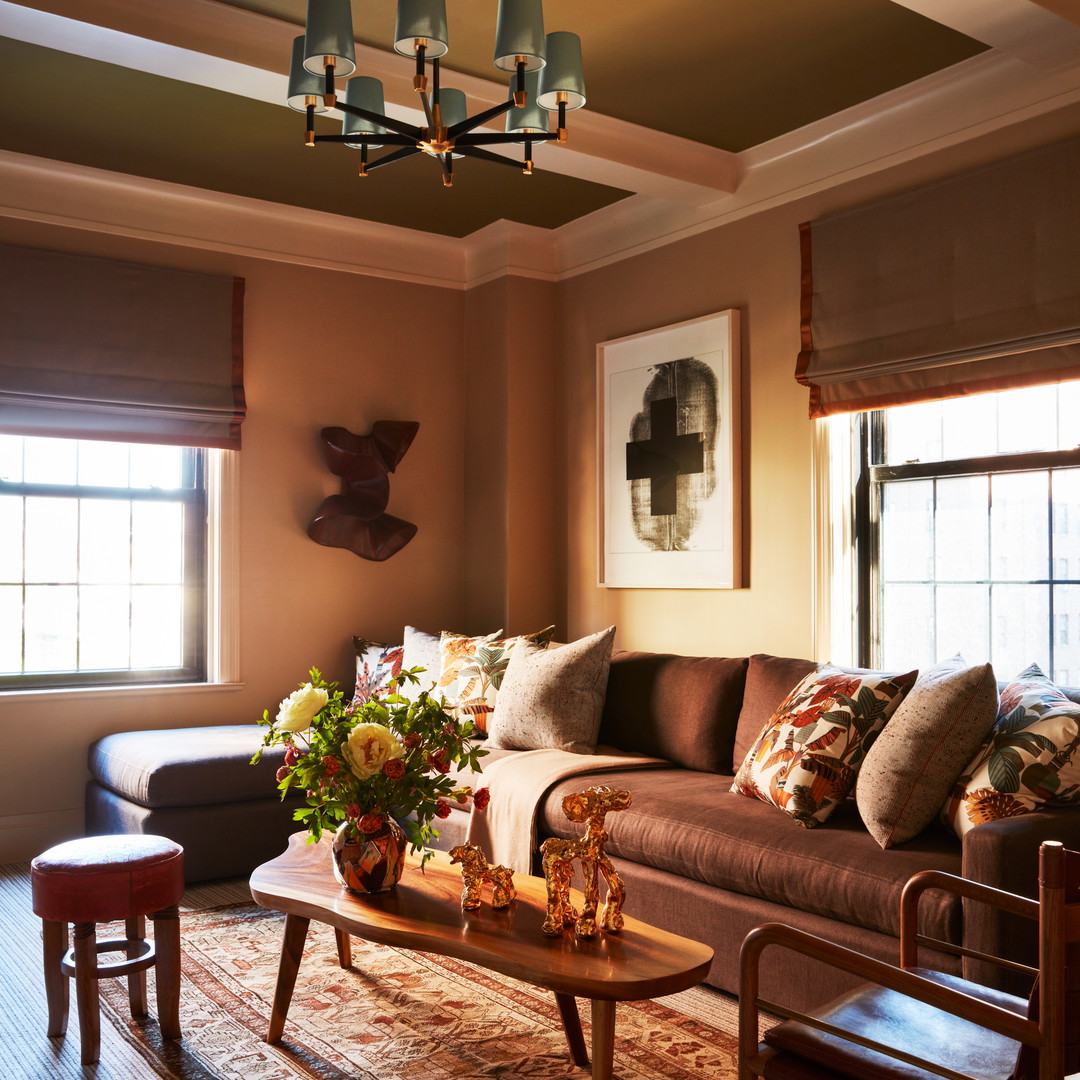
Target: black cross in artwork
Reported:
[(664, 456)]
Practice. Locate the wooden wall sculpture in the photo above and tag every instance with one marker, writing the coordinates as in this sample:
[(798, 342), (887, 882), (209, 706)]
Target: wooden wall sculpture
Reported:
[(357, 519)]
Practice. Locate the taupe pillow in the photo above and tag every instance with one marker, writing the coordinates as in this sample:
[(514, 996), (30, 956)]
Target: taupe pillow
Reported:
[(553, 699), (910, 770)]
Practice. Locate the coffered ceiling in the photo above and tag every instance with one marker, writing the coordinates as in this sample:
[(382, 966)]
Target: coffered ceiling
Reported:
[(693, 108)]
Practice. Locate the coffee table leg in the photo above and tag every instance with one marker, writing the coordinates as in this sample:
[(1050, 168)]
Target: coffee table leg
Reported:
[(292, 949), (344, 948), (571, 1023), (603, 1039)]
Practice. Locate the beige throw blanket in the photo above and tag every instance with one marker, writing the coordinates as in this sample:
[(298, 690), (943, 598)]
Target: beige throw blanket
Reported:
[(506, 830)]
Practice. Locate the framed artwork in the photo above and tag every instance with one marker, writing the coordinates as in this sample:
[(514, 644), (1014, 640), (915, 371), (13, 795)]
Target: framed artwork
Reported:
[(668, 449)]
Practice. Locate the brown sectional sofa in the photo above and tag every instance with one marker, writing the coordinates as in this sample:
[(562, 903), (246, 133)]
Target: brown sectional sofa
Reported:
[(696, 858), (701, 861)]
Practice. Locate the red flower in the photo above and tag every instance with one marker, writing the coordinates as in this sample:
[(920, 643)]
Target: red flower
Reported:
[(481, 798), (395, 768), (370, 823), (412, 740), (352, 810), (442, 809), (330, 765), (438, 762), (282, 773), (292, 755)]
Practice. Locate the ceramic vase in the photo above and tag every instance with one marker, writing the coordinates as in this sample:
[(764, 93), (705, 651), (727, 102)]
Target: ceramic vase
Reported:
[(369, 862)]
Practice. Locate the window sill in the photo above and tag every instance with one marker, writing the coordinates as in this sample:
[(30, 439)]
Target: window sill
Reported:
[(66, 693)]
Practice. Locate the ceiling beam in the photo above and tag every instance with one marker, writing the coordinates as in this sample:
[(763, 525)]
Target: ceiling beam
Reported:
[(227, 48)]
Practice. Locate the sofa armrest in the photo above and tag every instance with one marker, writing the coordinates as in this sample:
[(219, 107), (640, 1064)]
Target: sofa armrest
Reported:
[(1005, 854)]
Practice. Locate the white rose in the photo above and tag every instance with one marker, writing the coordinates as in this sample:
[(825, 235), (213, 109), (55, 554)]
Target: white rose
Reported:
[(295, 713), (369, 747)]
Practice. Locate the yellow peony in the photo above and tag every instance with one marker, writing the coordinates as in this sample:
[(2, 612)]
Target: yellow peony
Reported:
[(369, 747), (296, 712)]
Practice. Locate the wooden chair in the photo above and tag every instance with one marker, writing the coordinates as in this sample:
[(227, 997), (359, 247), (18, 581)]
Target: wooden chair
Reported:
[(914, 1022)]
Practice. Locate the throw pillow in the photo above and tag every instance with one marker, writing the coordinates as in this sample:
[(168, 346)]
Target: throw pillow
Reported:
[(553, 699), (472, 670), (806, 759), (376, 665), (1028, 760), (423, 650), (911, 768)]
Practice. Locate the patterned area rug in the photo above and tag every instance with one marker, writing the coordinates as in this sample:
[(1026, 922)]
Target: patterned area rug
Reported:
[(395, 1016)]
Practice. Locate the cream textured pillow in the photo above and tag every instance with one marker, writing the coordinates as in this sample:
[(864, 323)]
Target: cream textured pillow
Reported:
[(936, 729), (553, 700)]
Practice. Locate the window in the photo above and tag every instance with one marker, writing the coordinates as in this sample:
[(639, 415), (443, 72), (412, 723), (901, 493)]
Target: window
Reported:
[(103, 563), (963, 539)]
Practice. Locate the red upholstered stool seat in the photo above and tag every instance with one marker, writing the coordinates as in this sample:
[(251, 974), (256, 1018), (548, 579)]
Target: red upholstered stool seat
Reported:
[(102, 879)]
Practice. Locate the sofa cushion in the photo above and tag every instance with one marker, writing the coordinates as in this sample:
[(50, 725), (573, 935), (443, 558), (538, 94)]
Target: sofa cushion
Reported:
[(553, 699), (187, 766), (910, 770), (1029, 759), (769, 679), (681, 708), (809, 753), (690, 824)]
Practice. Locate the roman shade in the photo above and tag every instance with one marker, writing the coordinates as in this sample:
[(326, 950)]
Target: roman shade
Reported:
[(96, 349), (967, 285)]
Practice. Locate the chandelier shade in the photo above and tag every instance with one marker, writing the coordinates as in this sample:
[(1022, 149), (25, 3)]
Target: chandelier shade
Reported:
[(519, 32), (304, 87), (363, 92), (563, 76), (328, 38), (421, 20), (326, 53)]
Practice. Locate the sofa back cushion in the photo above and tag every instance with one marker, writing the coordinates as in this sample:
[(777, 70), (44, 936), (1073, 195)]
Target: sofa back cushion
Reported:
[(681, 708), (769, 679)]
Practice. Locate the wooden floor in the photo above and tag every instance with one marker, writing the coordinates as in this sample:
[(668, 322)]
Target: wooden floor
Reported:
[(27, 1053)]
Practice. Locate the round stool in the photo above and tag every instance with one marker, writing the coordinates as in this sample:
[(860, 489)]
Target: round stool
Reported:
[(102, 879)]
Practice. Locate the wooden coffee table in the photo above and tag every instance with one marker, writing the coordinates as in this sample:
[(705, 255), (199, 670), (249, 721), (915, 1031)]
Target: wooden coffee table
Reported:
[(423, 913)]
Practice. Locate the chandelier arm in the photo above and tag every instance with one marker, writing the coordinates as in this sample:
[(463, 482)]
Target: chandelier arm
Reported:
[(360, 136), (399, 126), (389, 159), (497, 138), (480, 118), (486, 155)]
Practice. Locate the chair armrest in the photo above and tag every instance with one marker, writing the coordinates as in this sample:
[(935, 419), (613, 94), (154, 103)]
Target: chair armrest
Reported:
[(1005, 854), (983, 1013)]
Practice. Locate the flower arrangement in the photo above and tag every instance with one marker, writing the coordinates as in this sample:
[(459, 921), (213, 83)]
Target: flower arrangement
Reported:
[(363, 763)]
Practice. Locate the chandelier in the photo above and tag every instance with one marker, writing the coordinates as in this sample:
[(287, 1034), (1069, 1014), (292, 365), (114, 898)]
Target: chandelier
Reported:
[(546, 76)]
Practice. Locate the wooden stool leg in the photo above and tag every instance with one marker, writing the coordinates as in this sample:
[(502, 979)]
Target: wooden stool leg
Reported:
[(167, 946), (86, 990), (603, 1039), (571, 1022), (135, 928), (344, 948), (54, 941)]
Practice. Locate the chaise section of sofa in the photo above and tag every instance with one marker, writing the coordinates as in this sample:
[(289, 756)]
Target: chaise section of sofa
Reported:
[(195, 786)]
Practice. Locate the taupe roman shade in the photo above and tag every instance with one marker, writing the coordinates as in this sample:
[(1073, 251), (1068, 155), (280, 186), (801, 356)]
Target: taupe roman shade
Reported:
[(963, 286), (96, 349)]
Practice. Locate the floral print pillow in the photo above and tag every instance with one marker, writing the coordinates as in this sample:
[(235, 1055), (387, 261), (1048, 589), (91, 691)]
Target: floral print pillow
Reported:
[(807, 757), (1028, 760), (472, 671), (376, 665)]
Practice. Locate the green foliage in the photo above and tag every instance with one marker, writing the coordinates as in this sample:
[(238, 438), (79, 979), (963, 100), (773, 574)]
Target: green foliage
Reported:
[(342, 784)]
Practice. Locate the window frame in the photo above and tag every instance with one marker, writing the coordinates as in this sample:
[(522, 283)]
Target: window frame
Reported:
[(198, 494), (870, 480)]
